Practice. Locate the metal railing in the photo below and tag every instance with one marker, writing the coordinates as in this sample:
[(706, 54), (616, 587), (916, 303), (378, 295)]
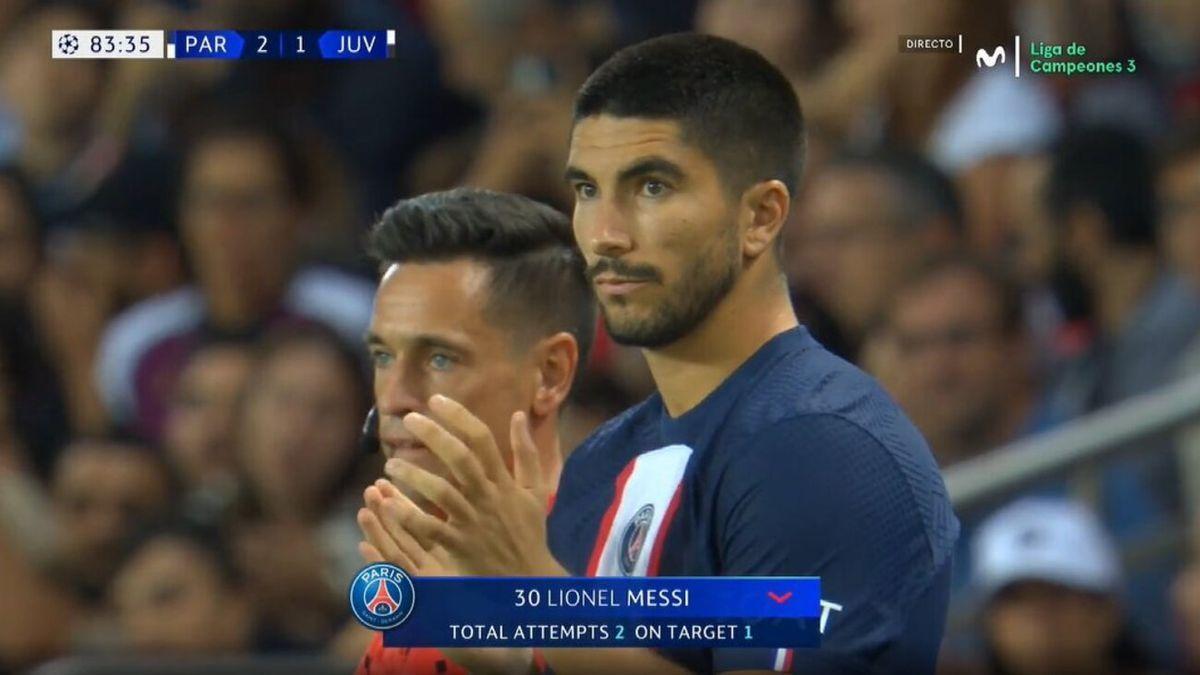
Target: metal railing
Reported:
[(1085, 442), (1079, 451)]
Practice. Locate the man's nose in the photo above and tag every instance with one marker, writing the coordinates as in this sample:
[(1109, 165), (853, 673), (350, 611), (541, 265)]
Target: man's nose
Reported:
[(610, 234), (397, 393)]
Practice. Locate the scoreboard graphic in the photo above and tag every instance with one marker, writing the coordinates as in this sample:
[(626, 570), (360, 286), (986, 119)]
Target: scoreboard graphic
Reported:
[(320, 45)]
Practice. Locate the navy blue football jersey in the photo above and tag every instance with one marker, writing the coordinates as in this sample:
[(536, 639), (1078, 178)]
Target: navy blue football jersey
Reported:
[(797, 464)]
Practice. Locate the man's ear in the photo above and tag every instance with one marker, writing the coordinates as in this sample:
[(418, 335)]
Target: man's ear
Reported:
[(765, 206), (557, 359)]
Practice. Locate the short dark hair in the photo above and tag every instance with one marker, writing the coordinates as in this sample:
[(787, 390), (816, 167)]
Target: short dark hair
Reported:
[(1004, 290), (1109, 169), (537, 273), (202, 538), (923, 190), (729, 100), (221, 123)]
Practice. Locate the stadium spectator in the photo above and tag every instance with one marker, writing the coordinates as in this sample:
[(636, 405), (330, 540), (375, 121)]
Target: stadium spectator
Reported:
[(523, 61), (58, 551), (200, 433), (242, 207), (296, 542), (1101, 198), (1102, 201), (1179, 192), (1049, 584), (962, 367), (53, 102), (101, 492), (796, 36), (178, 593), (865, 222)]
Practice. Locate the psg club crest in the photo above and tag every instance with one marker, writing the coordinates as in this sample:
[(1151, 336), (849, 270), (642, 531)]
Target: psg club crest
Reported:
[(381, 596), (634, 538)]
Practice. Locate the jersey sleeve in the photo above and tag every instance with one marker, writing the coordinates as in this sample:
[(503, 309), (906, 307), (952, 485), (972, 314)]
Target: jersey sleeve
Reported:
[(819, 495)]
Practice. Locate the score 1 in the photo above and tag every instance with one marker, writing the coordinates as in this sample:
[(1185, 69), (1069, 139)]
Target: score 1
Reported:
[(301, 44)]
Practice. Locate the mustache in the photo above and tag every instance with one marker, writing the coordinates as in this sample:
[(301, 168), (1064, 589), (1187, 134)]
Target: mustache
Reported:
[(623, 269)]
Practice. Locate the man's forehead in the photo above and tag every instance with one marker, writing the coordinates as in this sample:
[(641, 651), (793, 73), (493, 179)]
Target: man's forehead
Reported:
[(628, 136), (431, 280), (415, 298)]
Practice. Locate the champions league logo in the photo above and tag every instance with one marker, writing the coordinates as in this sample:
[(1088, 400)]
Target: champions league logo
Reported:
[(634, 538), (68, 44), (381, 596)]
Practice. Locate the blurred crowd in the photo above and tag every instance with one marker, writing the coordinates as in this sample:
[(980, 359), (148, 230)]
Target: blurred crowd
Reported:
[(183, 294)]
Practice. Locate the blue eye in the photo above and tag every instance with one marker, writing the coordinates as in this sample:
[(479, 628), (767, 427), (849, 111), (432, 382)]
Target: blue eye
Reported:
[(380, 359), (585, 191), (441, 362), (654, 188)]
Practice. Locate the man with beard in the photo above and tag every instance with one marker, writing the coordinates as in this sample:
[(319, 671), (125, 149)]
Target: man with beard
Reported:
[(761, 454)]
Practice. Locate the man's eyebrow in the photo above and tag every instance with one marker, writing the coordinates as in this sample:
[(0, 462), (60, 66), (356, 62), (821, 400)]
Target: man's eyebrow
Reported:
[(574, 173), (651, 165), (420, 340), (641, 167)]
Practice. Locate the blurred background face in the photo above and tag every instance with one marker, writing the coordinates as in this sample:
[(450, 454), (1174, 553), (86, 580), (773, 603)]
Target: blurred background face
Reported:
[(101, 492), (954, 357), (477, 42), (769, 26), (1170, 29), (18, 241), (1038, 627), (661, 246), (884, 19), (49, 96), (239, 219), (431, 334), (201, 422), (299, 428), (1179, 189), (171, 599), (849, 243)]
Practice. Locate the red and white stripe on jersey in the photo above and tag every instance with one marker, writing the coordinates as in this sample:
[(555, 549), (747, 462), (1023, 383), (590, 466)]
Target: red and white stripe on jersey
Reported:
[(783, 660), (654, 478)]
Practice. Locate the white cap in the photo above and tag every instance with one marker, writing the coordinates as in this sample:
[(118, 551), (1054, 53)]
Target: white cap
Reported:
[(1043, 539)]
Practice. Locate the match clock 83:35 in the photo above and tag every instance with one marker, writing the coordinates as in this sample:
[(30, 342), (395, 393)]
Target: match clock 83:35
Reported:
[(107, 44)]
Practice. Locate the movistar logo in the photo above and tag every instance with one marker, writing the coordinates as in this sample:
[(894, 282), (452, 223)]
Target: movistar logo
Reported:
[(982, 57)]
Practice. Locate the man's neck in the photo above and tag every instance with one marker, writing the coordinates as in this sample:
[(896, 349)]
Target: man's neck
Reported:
[(1120, 287), (691, 368)]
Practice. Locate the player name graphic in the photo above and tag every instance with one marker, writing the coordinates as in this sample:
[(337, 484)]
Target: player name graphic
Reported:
[(603, 597)]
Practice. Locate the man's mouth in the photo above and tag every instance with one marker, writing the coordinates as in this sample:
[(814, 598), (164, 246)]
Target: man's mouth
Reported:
[(613, 285)]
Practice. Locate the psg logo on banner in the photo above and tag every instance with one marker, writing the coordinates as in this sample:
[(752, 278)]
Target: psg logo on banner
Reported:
[(381, 596)]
